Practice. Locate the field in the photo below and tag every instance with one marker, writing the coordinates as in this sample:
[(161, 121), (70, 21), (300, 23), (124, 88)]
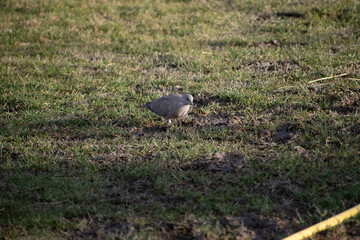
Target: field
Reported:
[(271, 146)]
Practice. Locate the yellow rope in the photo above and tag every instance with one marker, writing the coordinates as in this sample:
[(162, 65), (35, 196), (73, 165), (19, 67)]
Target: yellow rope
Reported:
[(328, 223)]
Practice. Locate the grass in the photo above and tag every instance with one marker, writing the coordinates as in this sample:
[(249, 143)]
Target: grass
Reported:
[(264, 153)]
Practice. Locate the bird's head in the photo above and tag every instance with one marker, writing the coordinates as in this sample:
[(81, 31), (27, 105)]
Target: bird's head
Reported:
[(188, 99)]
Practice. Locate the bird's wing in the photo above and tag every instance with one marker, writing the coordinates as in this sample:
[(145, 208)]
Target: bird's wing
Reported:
[(166, 106)]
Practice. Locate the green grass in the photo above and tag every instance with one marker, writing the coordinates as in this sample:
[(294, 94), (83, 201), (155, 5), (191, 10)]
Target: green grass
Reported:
[(78, 159)]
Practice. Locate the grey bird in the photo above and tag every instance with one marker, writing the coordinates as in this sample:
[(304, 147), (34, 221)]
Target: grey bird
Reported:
[(171, 106)]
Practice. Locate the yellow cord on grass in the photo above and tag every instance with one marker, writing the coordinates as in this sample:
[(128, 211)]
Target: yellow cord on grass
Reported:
[(328, 223)]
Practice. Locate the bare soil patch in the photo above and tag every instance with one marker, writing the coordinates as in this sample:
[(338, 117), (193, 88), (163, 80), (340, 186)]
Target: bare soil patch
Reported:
[(284, 133), (343, 101), (213, 120), (184, 230), (349, 102), (252, 226)]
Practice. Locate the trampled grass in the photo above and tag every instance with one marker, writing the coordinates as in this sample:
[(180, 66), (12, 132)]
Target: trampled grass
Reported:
[(264, 153)]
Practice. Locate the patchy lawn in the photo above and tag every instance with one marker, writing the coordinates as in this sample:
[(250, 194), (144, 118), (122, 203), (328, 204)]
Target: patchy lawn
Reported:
[(272, 145)]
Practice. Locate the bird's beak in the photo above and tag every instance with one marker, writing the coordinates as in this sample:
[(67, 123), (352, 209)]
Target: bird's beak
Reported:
[(192, 104)]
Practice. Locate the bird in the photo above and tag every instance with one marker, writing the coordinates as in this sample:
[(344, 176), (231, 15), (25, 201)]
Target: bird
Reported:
[(172, 106)]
